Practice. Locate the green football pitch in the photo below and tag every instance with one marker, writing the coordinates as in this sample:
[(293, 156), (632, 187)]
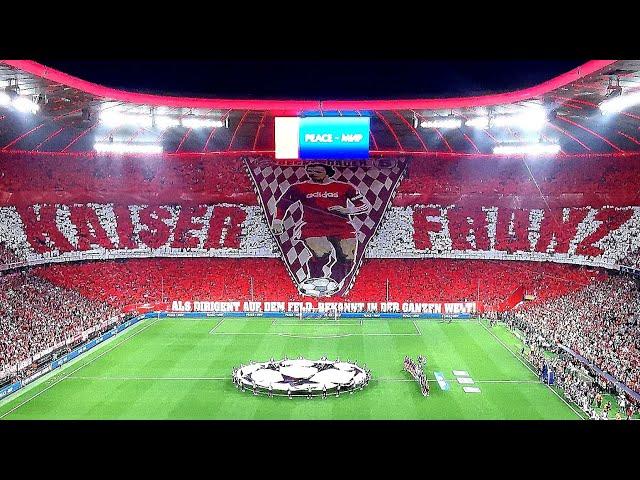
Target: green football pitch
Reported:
[(181, 369)]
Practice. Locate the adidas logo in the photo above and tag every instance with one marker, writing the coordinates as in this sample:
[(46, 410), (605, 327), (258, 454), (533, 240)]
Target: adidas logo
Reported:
[(322, 195)]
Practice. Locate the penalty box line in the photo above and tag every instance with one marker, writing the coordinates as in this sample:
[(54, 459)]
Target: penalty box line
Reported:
[(301, 335), (417, 333), (326, 324)]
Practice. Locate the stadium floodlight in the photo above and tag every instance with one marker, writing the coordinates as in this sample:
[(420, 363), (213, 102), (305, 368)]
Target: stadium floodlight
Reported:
[(5, 99), (526, 149), (115, 147), (445, 122), (620, 103), (201, 122), (23, 104), (114, 118), (164, 122), (478, 122), (533, 119)]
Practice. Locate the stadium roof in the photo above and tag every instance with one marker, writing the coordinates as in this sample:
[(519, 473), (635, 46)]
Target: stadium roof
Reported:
[(67, 121)]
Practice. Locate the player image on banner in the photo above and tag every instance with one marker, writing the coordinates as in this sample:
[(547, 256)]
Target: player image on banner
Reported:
[(326, 228), (323, 214)]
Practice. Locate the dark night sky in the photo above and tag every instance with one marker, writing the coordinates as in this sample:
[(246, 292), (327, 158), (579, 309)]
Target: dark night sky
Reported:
[(322, 79)]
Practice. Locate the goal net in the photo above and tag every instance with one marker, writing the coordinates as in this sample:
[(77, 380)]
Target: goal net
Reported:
[(318, 314)]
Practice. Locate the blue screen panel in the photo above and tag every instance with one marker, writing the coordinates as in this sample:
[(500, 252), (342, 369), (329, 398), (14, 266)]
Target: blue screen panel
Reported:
[(334, 137)]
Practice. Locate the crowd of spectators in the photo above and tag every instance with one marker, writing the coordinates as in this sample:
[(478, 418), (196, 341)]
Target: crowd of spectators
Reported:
[(136, 281), (576, 306), (36, 315), (572, 182), (579, 384), (7, 256), (502, 189), (43, 179), (451, 280), (598, 322)]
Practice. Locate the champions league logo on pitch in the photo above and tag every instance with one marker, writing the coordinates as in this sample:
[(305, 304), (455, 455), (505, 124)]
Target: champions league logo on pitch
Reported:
[(322, 216)]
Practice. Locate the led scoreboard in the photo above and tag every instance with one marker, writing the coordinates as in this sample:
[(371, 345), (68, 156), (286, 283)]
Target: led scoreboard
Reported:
[(322, 137)]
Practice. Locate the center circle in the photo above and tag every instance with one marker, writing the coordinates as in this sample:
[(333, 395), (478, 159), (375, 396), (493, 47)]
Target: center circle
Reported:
[(300, 377)]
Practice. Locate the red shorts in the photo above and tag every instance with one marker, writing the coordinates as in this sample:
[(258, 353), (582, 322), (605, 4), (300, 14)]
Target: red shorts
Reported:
[(341, 231)]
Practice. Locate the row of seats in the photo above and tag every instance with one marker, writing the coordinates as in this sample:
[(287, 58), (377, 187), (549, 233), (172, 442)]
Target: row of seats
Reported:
[(29, 179), (598, 181), (122, 283)]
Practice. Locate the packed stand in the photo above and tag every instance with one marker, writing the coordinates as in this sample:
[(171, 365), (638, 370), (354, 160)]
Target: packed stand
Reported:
[(599, 322), (53, 179), (36, 315), (7, 256), (137, 281), (580, 384)]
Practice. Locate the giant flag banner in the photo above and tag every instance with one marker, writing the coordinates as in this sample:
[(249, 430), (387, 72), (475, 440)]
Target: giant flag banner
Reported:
[(323, 215)]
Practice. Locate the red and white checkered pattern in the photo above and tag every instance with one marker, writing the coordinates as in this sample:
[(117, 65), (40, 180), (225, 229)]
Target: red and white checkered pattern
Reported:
[(376, 180)]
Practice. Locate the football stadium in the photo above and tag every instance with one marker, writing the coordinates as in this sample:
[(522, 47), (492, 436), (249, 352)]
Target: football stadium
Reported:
[(170, 257)]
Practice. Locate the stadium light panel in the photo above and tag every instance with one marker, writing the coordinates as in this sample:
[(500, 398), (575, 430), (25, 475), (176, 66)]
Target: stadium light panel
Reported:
[(109, 147), (23, 104), (534, 119), (200, 122), (163, 122), (478, 122), (618, 104), (442, 123), (527, 149), (113, 118), (4, 99)]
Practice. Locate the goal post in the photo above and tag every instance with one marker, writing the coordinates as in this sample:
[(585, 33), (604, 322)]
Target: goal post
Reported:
[(305, 314)]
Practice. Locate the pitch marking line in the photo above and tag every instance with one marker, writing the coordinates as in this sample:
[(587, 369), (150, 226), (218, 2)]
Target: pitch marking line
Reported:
[(79, 368), (150, 378), (531, 369), (217, 325), (296, 335), (382, 379), (416, 325), (302, 324)]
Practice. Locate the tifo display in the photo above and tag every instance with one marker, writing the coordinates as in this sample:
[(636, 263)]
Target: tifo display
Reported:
[(151, 246)]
